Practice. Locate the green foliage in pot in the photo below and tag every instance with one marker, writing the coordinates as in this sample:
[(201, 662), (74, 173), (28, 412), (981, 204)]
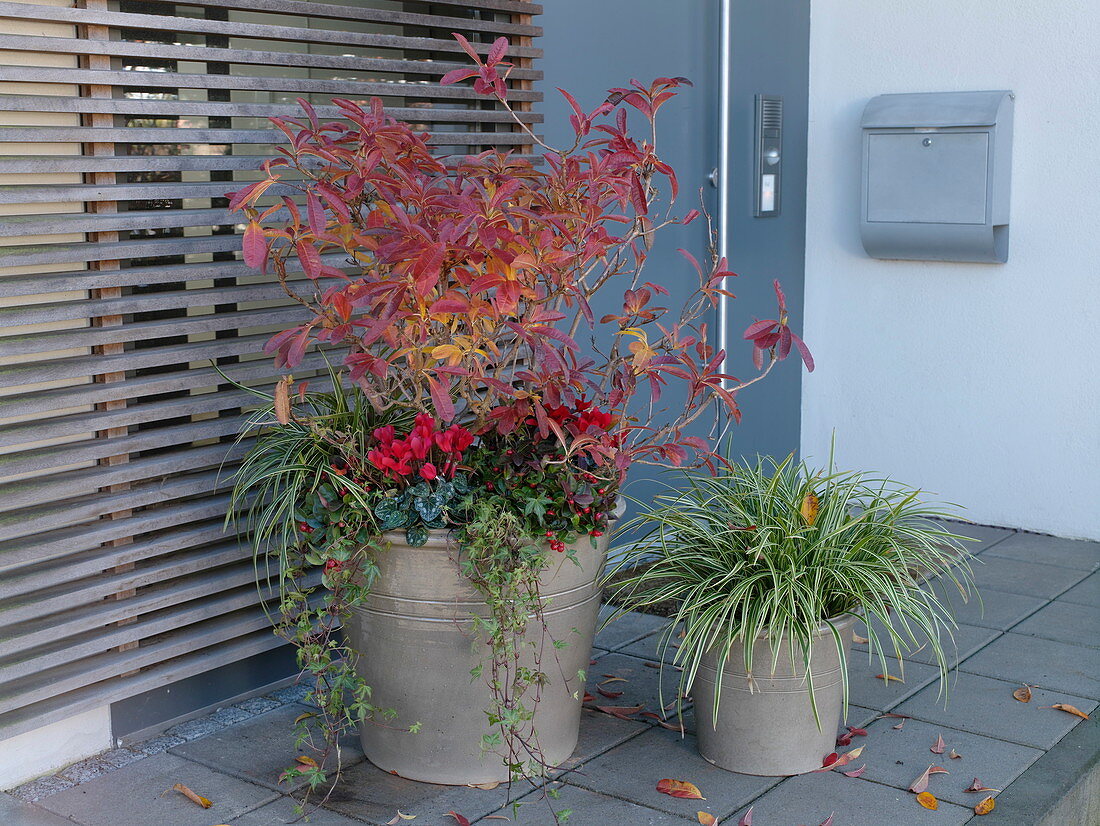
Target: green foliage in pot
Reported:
[(774, 549)]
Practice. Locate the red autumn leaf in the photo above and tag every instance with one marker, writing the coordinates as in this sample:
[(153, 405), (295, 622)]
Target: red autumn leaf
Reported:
[(462, 821), (833, 761), (856, 772), (611, 695), (921, 783), (939, 746), (746, 818), (829, 759), (829, 820), (855, 731), (679, 788), (254, 246)]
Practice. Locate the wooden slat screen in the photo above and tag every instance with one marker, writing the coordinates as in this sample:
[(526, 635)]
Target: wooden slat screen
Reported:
[(122, 126)]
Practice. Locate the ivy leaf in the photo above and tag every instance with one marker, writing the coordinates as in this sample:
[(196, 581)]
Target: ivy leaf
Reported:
[(416, 535)]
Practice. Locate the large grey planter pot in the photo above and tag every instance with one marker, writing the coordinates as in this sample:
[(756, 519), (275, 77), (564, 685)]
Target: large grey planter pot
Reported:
[(417, 648), (766, 725)]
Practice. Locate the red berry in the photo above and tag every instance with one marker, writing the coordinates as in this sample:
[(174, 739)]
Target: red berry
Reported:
[(549, 533), (602, 491), (586, 510)]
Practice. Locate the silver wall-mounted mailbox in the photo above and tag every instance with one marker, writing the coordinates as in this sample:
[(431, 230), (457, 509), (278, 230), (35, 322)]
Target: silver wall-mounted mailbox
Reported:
[(936, 176)]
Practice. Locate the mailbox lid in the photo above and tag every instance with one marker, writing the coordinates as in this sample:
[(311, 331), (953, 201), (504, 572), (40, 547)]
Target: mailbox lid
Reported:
[(935, 109), (919, 177)]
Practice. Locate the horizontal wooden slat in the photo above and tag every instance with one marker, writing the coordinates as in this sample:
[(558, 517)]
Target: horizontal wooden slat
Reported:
[(138, 387), (258, 83), (287, 316), (173, 135), (46, 547), (24, 256), (125, 106), (70, 484), (80, 366), (90, 695), (62, 223), (35, 687), (31, 521), (367, 14), (139, 303), (293, 34)]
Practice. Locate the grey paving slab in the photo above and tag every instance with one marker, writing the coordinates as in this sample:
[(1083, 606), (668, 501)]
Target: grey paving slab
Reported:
[(1048, 550), (985, 535), (1064, 621), (811, 798), (958, 643), (600, 732), (1033, 579), (260, 749), (983, 705), (372, 795), (15, 812), (638, 683), (989, 609), (631, 772), (140, 794), (627, 628), (649, 648), (589, 807), (283, 811), (897, 758), (1057, 665), (1085, 592), (866, 689)]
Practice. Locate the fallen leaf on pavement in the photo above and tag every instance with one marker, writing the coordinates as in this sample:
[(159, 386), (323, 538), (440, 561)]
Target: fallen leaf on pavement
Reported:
[(1023, 694), (954, 755), (663, 723), (984, 806), (855, 731), (746, 818), (622, 712), (977, 786), (589, 698), (834, 761), (858, 640), (829, 820), (921, 783), (679, 788), (613, 680), (306, 760), (304, 716), (892, 714), (486, 786), (856, 772), (197, 799), (611, 695), (706, 818), (899, 725), (928, 800), (462, 821), (397, 818), (939, 746), (1066, 707), (889, 678)]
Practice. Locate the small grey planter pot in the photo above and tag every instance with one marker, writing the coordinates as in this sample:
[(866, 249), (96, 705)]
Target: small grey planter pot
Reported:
[(417, 647), (766, 725)]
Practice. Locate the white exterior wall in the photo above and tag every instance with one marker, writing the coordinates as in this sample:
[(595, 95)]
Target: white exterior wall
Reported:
[(978, 382), (49, 748)]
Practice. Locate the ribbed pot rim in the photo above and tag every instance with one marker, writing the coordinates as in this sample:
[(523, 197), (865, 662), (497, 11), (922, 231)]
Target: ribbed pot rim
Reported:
[(840, 623)]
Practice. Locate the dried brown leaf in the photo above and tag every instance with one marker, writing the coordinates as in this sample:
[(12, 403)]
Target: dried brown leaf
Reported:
[(1066, 707), (611, 695), (954, 755), (306, 760), (889, 678), (304, 716), (939, 746), (197, 799), (622, 712), (928, 800), (985, 806), (706, 819), (858, 640), (282, 400), (921, 783), (1023, 694), (613, 680), (486, 786)]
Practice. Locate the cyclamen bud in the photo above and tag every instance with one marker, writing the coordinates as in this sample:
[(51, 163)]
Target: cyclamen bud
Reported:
[(428, 471)]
